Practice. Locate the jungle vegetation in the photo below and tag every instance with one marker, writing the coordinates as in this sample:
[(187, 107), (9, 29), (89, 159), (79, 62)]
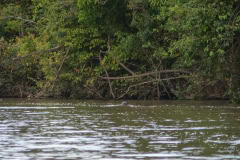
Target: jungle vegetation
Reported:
[(113, 49)]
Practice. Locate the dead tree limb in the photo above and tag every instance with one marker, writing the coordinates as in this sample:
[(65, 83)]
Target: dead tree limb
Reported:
[(145, 74), (126, 68), (164, 79)]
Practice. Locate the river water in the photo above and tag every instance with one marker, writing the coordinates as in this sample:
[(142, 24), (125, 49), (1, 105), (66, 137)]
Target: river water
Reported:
[(104, 130)]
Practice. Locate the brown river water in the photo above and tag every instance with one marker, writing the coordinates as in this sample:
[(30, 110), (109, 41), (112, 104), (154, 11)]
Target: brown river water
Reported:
[(105, 130)]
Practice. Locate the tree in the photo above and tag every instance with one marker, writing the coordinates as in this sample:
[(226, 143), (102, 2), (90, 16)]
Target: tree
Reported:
[(120, 48)]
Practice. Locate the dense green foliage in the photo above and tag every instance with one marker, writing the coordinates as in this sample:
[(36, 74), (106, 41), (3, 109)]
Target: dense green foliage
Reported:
[(141, 49)]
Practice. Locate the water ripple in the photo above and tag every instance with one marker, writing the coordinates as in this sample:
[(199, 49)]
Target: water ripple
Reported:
[(106, 131)]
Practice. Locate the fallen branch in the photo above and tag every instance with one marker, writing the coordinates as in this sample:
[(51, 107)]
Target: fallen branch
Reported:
[(145, 74), (164, 79)]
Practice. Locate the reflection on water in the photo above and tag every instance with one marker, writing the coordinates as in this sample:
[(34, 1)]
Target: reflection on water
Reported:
[(105, 130)]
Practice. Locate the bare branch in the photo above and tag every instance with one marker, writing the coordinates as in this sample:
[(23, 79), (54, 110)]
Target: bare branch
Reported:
[(146, 74), (164, 79), (129, 70)]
